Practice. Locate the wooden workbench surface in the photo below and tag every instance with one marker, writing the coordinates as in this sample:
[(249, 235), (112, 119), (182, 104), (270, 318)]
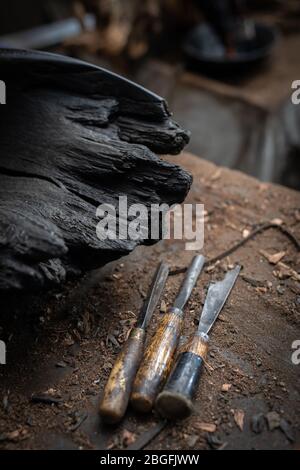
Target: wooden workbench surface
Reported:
[(64, 343)]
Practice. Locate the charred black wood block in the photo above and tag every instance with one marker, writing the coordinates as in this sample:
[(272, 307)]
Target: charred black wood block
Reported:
[(73, 136)]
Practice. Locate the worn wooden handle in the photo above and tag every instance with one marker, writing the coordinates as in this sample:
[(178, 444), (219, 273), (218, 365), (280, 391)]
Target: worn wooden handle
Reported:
[(176, 399), (157, 361), (118, 387)]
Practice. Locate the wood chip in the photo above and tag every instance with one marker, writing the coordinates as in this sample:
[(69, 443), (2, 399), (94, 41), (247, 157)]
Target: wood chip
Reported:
[(239, 416), (222, 318), (163, 306), (263, 186), (117, 276), (232, 226), (275, 258), (5, 403), (283, 271), (205, 427), (68, 341), (277, 221), (128, 438), (226, 387), (211, 268), (61, 364), (246, 233), (15, 436), (217, 175), (208, 367), (261, 290)]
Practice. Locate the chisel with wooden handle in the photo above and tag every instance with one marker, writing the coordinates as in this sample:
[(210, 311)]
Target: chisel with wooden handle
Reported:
[(159, 354), (118, 387), (176, 399)]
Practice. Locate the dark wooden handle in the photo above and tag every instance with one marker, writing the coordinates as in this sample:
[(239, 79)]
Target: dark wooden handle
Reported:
[(176, 399), (118, 387), (157, 361)]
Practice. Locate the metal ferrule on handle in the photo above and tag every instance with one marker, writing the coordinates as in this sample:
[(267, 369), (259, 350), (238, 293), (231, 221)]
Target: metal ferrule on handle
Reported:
[(176, 399)]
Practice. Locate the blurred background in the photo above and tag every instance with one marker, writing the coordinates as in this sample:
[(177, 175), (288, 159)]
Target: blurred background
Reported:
[(226, 67)]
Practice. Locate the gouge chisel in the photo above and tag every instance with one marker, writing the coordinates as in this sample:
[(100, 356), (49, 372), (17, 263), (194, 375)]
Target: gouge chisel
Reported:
[(159, 354), (118, 387), (176, 399)]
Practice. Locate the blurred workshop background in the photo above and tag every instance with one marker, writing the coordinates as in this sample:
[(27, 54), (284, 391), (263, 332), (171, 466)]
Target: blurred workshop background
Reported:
[(226, 67)]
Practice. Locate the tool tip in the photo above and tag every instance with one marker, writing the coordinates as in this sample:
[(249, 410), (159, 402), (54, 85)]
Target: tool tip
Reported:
[(172, 405), (141, 403)]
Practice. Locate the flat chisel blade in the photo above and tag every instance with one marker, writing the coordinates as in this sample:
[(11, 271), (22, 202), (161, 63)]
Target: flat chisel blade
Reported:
[(216, 297), (154, 295), (189, 281)]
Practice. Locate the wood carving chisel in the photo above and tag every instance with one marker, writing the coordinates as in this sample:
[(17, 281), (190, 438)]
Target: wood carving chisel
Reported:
[(118, 387), (159, 354), (176, 399)]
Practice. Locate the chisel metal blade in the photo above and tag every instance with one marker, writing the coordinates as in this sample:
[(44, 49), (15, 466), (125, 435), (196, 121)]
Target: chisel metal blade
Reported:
[(189, 281), (216, 297), (154, 295)]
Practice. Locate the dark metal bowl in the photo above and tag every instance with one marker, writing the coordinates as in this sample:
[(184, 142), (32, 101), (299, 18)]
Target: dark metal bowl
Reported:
[(205, 52)]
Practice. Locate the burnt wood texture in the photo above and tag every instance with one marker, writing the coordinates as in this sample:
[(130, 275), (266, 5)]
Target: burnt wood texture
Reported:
[(74, 136)]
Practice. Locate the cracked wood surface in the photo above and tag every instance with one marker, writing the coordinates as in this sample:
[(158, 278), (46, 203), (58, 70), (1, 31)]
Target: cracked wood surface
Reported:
[(74, 136)]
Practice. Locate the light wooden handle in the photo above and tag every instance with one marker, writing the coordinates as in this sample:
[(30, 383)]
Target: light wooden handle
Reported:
[(118, 387), (157, 361)]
